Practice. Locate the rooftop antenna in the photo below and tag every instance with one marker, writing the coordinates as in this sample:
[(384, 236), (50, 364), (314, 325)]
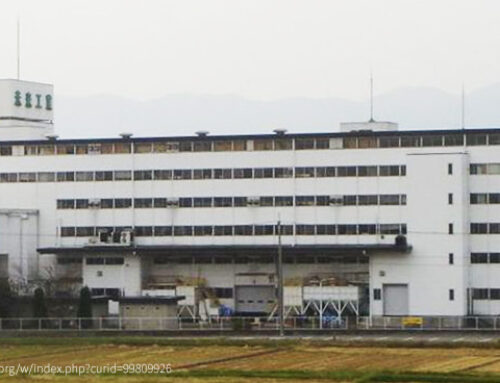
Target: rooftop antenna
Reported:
[(371, 97), (18, 48), (463, 107)]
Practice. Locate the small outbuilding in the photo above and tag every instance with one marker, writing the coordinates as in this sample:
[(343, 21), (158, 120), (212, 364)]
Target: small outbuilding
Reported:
[(149, 313)]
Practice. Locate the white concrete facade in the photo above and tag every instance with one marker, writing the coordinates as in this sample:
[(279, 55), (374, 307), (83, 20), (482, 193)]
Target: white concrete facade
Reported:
[(342, 199)]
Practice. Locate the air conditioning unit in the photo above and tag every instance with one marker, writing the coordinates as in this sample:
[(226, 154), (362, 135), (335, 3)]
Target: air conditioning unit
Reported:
[(173, 202), (93, 241), (94, 203), (336, 200), (126, 237), (253, 201), (105, 236)]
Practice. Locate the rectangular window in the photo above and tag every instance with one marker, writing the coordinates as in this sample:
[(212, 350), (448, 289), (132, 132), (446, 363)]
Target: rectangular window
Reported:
[(240, 201), (223, 230), (494, 228), (283, 172), (122, 148), (283, 144), (202, 174), (203, 231), (410, 141), (185, 202), (478, 198), (143, 175), (476, 139), (454, 140), (494, 198), (389, 199), (186, 146), (183, 231), (264, 229), (263, 145), (84, 176), (85, 231), (346, 171), (202, 202), (142, 203), (65, 203), (239, 145), (263, 173), (451, 259), (479, 228), (325, 171), (322, 143), (95, 261), (432, 141), (68, 231), (367, 229), (223, 174), (326, 230), (123, 203), (114, 261), (479, 258), (495, 294), (65, 176), (305, 229), (122, 175), (451, 294), (162, 174), (494, 257), (367, 142), (390, 228), (349, 143), (389, 170), (8, 177), (27, 177), (304, 172), (388, 142), (223, 202), (82, 203), (304, 201), (243, 173), (450, 198), (368, 200), (304, 144), (159, 202), (46, 177), (183, 174), (322, 200), (145, 147), (480, 294), (243, 230), (222, 146), (104, 176), (367, 171), (450, 169), (377, 294), (347, 229), (106, 203), (162, 231), (450, 228), (283, 201), (143, 231)]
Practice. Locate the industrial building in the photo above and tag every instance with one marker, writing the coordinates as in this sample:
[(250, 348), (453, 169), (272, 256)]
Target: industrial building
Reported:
[(373, 220)]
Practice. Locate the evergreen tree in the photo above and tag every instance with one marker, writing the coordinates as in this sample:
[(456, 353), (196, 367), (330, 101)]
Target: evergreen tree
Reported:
[(39, 308), (85, 307)]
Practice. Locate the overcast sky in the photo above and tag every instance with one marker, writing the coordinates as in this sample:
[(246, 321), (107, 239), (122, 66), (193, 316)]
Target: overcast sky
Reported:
[(261, 49)]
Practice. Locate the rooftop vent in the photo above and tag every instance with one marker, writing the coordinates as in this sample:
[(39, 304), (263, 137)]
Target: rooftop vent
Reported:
[(51, 137), (202, 133), (126, 135), (280, 132)]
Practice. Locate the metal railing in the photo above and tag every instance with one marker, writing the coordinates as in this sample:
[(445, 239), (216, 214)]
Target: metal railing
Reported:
[(249, 324)]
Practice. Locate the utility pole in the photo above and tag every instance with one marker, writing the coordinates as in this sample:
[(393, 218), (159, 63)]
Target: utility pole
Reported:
[(279, 273)]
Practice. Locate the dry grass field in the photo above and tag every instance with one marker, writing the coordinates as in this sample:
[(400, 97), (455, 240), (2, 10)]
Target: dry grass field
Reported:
[(243, 363)]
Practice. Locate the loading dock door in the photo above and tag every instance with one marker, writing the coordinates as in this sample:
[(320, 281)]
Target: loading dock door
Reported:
[(254, 299), (395, 300)]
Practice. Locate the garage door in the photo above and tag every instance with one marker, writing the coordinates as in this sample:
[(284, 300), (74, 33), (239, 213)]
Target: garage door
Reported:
[(254, 299), (395, 299)]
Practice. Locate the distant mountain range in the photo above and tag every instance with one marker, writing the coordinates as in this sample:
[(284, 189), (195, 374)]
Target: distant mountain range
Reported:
[(412, 108)]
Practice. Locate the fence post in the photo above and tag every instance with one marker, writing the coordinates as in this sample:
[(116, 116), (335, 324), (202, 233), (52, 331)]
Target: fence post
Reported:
[(39, 324)]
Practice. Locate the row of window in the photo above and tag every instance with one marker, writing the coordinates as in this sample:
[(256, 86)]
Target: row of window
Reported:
[(483, 169), (484, 198), (483, 294), (239, 230), (485, 258), (203, 174), (119, 203), (242, 259), (258, 144), (485, 228)]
